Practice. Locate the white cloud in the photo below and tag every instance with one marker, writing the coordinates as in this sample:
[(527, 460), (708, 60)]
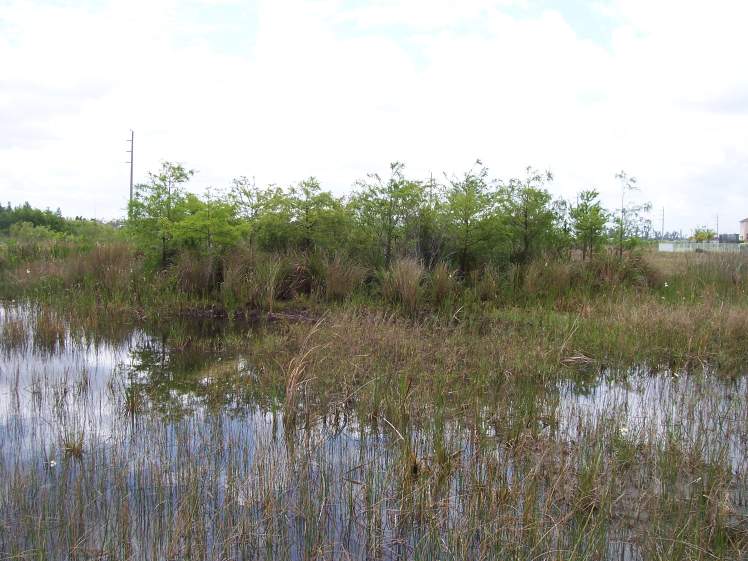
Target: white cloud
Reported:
[(285, 89)]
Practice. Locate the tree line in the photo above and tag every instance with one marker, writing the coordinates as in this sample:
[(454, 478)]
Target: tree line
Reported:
[(467, 220)]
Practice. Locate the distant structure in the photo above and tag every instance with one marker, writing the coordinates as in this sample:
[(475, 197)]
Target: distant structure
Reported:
[(729, 238), (702, 247), (724, 243)]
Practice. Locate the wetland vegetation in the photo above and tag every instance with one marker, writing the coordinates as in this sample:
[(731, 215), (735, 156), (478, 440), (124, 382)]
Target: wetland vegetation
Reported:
[(471, 370)]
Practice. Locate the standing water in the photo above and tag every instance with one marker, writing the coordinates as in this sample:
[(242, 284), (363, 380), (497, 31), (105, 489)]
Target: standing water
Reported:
[(132, 444)]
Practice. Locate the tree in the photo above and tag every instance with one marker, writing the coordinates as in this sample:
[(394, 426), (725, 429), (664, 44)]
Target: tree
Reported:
[(588, 220), (156, 206), (211, 225), (470, 201), (387, 210), (630, 222), (248, 201), (703, 234), (431, 235), (320, 220), (529, 215)]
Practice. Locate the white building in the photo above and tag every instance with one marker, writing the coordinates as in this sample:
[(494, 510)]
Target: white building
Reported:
[(744, 230)]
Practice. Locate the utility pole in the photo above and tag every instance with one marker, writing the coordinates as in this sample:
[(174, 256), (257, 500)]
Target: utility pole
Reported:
[(131, 151), (662, 232)]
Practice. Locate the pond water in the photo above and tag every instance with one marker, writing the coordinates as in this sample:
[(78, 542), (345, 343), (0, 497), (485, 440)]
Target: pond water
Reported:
[(132, 445)]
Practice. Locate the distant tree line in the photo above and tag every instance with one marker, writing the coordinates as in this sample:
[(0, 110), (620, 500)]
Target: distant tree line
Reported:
[(24, 222)]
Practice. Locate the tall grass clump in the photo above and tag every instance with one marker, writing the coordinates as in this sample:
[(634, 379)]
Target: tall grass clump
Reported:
[(442, 284), (546, 279), (487, 284), (49, 331), (196, 273), (606, 270), (401, 284), (341, 278), (252, 280), (109, 270)]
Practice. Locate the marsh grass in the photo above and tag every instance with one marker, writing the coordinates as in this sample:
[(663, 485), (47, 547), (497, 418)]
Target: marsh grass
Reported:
[(442, 284), (342, 278), (565, 411), (369, 436), (14, 335), (49, 331), (401, 284)]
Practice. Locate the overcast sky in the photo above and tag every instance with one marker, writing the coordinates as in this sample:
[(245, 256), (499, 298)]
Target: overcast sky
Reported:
[(282, 90)]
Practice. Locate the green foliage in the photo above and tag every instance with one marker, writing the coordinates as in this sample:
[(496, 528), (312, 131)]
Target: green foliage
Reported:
[(469, 217), (210, 224), (588, 221), (27, 232), (9, 216), (387, 213), (703, 234), (469, 223), (530, 220), (156, 207), (320, 220)]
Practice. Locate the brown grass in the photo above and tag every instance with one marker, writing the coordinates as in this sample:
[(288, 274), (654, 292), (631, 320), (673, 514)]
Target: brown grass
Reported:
[(401, 284), (342, 278), (443, 283), (14, 335)]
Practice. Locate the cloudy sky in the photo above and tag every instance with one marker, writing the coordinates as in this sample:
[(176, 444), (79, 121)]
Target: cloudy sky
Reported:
[(285, 89)]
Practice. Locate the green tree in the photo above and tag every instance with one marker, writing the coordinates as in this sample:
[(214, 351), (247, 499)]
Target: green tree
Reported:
[(470, 201), (321, 220), (157, 206), (703, 234), (588, 220), (530, 216), (210, 225), (388, 210), (248, 201), (431, 235)]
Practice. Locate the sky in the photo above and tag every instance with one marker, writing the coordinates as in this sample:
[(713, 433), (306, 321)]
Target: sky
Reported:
[(281, 90)]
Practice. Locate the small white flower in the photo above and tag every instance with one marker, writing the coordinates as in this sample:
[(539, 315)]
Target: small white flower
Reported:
[(52, 463), (624, 430), (665, 285), (28, 271)]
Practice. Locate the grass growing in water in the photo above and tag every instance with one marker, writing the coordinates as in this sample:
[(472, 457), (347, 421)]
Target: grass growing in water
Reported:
[(493, 426), (367, 444)]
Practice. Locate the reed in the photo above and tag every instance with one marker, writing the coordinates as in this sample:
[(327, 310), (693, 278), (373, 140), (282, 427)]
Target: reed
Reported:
[(401, 284), (341, 278), (14, 335), (367, 436)]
